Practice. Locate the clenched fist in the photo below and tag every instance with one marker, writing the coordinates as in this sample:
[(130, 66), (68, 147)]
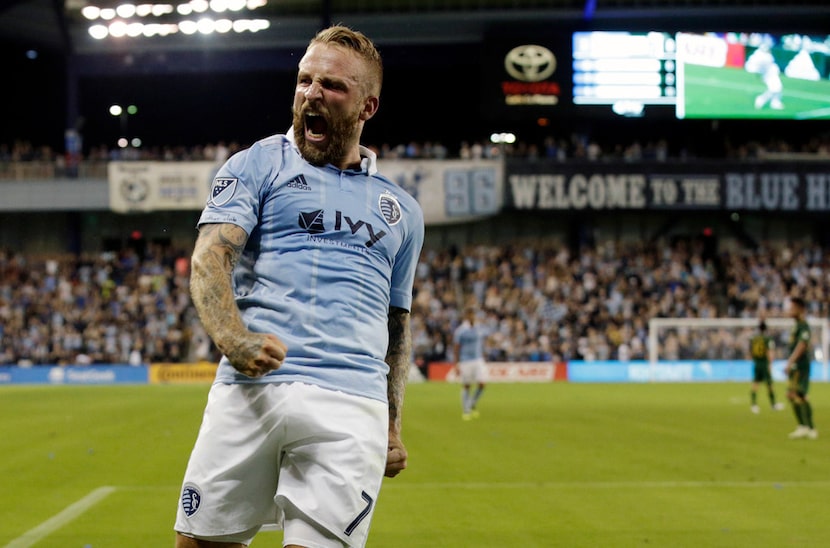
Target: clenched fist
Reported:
[(256, 354)]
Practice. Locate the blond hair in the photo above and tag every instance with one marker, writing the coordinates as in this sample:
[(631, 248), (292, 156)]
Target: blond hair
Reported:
[(359, 43)]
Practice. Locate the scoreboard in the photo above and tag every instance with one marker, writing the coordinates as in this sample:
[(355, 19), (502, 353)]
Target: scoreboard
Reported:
[(627, 70)]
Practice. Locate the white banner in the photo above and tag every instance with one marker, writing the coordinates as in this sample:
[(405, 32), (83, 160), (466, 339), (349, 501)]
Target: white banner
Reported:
[(450, 191), (153, 186)]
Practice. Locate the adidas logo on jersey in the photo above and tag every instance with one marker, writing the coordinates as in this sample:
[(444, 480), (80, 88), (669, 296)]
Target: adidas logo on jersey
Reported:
[(298, 182)]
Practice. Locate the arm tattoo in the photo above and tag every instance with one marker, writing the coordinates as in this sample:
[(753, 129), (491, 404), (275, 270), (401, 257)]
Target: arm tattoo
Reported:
[(398, 358), (215, 254)]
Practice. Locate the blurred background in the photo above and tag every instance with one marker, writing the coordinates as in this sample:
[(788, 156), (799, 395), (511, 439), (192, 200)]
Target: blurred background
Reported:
[(584, 165)]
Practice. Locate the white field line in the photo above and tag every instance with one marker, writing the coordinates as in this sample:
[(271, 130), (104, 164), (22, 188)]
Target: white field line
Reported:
[(75, 509), (818, 113), (606, 485), (757, 88), (30, 537)]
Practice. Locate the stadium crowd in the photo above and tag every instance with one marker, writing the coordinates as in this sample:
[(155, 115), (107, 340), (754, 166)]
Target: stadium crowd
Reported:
[(22, 159), (541, 301)]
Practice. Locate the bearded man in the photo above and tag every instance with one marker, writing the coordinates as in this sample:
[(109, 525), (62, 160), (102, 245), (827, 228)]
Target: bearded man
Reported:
[(302, 275)]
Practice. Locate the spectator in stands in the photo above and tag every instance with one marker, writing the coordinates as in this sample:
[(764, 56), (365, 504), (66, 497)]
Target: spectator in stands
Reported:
[(535, 295)]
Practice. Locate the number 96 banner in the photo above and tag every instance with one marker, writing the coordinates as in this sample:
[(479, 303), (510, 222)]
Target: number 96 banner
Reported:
[(450, 191)]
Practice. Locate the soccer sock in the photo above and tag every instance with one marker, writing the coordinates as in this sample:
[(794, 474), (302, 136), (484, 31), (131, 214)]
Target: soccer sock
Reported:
[(753, 396), (476, 397), (771, 394), (797, 411), (807, 413), (465, 400)]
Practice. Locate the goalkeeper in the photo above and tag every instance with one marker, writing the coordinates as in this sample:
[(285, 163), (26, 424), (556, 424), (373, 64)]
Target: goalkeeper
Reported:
[(761, 348)]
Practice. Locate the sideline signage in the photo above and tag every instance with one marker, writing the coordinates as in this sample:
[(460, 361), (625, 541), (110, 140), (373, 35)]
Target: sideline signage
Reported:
[(181, 373), (677, 371), (505, 372), (63, 375)]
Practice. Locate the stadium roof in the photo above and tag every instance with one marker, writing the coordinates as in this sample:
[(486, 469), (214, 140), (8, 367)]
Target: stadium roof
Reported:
[(57, 25)]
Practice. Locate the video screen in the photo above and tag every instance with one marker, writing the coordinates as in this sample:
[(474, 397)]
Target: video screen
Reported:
[(627, 70), (753, 75)]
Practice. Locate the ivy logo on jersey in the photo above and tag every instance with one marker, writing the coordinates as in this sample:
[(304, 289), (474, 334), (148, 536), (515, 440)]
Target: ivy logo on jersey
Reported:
[(390, 208), (312, 221), (223, 189), (191, 499)]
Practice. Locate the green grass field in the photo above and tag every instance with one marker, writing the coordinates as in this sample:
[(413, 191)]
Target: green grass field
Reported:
[(571, 465), (730, 93)]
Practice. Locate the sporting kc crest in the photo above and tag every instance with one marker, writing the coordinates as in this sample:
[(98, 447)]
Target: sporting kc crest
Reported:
[(389, 208)]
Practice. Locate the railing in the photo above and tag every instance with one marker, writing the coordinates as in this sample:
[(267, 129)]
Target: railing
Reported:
[(49, 169), (44, 169)]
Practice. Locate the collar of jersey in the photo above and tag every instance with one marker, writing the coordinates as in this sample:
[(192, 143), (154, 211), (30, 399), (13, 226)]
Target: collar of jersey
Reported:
[(368, 159)]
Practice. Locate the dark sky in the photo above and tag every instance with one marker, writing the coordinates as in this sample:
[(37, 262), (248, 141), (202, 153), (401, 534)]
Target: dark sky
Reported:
[(425, 97), (33, 107), (430, 94)]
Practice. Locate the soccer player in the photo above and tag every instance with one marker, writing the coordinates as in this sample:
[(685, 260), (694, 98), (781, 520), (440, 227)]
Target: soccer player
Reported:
[(763, 63), (302, 276), (761, 348), (468, 346), (798, 371)]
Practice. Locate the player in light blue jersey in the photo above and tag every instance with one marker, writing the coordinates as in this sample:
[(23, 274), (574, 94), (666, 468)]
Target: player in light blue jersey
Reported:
[(302, 275), (469, 338)]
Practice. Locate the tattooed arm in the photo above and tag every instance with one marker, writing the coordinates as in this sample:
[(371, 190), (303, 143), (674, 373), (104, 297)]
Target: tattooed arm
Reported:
[(398, 357), (217, 251)]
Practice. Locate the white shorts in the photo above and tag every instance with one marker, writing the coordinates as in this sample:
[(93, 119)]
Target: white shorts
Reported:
[(285, 454), (472, 371)]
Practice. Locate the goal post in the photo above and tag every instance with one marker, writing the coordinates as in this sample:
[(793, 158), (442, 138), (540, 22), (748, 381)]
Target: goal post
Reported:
[(658, 327)]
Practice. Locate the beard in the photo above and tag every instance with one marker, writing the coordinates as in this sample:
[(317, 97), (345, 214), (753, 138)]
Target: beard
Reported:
[(340, 132)]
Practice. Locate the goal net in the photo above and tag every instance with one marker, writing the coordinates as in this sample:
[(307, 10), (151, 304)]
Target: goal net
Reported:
[(672, 339)]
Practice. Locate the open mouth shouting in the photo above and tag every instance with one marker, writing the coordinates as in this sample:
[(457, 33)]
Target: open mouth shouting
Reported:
[(316, 127)]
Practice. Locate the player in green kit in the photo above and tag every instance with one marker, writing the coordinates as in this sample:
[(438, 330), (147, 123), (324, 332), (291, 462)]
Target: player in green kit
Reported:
[(798, 371), (761, 349)]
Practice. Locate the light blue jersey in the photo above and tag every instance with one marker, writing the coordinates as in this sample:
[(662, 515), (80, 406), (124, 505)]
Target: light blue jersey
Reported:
[(470, 340), (329, 251)]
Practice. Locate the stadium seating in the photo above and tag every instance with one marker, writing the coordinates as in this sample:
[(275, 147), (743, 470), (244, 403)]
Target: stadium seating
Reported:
[(542, 301)]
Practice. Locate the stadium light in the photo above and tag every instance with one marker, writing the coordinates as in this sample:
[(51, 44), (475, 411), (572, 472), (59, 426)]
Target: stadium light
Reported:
[(199, 6), (503, 138), (91, 12), (117, 111), (125, 11), (130, 20)]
